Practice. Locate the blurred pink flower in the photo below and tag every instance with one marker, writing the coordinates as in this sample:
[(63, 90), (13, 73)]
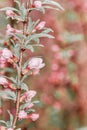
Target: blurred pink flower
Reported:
[(0, 111), (10, 129), (10, 13), (2, 62), (6, 53), (30, 105), (3, 81), (22, 115), (71, 53), (57, 105), (84, 6), (2, 128), (34, 117), (36, 63), (37, 4), (46, 99), (55, 66), (28, 96), (55, 48), (11, 30), (41, 25)]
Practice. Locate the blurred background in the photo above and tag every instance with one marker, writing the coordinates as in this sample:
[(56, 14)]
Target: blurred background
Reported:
[(62, 85)]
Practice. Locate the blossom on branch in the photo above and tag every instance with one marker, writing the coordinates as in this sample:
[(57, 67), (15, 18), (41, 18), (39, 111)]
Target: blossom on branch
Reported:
[(34, 116), (40, 26), (3, 81), (10, 129), (37, 4), (28, 96), (10, 13), (22, 115), (6, 53), (36, 63), (11, 30)]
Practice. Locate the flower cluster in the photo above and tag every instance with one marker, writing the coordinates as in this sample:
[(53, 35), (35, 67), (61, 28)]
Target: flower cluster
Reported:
[(23, 38)]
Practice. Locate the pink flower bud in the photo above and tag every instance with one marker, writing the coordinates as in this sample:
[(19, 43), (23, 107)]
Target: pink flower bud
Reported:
[(6, 53), (29, 95), (36, 63), (3, 81), (22, 115), (30, 105), (10, 13), (10, 129), (11, 30), (2, 128), (37, 4), (34, 117), (2, 62), (57, 105), (55, 48), (41, 25)]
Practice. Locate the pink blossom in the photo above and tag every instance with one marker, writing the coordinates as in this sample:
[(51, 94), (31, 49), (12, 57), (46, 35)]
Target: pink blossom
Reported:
[(37, 4), (28, 96), (2, 128), (6, 53), (41, 25), (36, 63), (0, 111), (10, 129), (34, 117), (30, 105), (3, 81), (55, 48), (57, 105), (71, 53), (10, 13), (55, 66), (11, 30), (22, 115), (2, 62)]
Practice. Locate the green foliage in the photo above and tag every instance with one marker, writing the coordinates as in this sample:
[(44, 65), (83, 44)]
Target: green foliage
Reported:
[(8, 94)]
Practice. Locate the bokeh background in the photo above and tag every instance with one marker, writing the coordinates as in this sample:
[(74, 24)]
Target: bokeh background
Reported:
[(62, 85)]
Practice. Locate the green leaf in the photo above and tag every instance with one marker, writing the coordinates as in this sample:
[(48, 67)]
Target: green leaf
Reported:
[(16, 50), (35, 102), (30, 47), (39, 35), (25, 105), (32, 24), (12, 79), (31, 2), (8, 94), (18, 3), (9, 8), (30, 110), (23, 12), (83, 128), (8, 124), (3, 123), (53, 3), (11, 118), (24, 87)]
